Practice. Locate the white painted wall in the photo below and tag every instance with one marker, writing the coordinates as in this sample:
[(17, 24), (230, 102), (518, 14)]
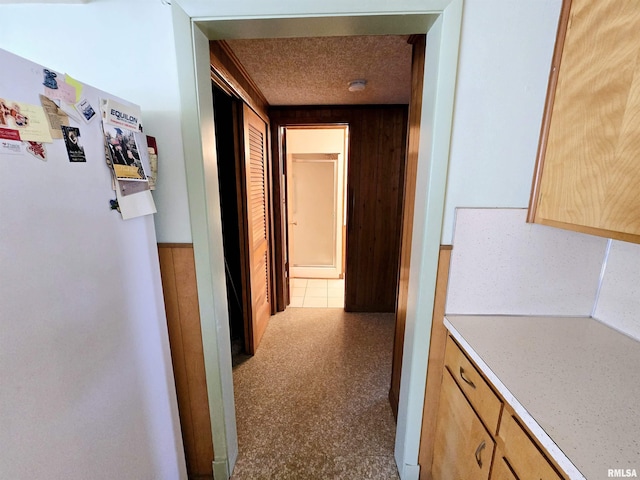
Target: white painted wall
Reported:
[(127, 49), (505, 56), (318, 140)]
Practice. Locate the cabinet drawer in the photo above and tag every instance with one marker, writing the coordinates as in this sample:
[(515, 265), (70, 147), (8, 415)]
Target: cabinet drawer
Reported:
[(528, 462), (482, 398)]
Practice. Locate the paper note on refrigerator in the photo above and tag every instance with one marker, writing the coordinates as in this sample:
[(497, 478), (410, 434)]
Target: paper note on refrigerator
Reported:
[(123, 116), (135, 205), (56, 117), (29, 121)]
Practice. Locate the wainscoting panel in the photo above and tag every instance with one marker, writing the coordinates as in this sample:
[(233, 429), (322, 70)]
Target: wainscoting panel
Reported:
[(435, 367), (177, 267)]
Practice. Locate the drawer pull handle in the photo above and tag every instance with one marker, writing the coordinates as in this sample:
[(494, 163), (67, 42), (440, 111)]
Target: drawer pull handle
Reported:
[(479, 453), (466, 380)]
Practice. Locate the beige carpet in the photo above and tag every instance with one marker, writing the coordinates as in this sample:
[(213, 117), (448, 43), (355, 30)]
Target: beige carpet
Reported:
[(312, 403)]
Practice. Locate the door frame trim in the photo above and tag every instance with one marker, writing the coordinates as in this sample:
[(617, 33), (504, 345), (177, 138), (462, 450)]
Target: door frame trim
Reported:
[(192, 56)]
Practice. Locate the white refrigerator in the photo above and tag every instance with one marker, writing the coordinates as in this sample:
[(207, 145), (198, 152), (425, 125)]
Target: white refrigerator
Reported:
[(86, 385)]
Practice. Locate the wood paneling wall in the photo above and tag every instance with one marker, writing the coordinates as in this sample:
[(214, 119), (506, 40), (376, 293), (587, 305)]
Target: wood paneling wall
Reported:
[(374, 212), (411, 172), (177, 268), (435, 367), (377, 149)]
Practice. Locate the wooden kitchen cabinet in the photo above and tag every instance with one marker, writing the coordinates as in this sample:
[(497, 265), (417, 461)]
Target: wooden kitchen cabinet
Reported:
[(463, 447), (587, 168), (521, 452), (474, 422), (501, 469), (485, 402)]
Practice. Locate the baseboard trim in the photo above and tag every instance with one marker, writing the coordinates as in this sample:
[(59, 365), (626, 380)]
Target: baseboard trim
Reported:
[(410, 472), (221, 470)]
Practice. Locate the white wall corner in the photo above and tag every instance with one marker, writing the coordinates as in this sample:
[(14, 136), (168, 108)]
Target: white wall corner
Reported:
[(618, 301), (603, 271)]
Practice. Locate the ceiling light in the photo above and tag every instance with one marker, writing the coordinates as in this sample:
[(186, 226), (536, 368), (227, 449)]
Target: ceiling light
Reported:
[(357, 85)]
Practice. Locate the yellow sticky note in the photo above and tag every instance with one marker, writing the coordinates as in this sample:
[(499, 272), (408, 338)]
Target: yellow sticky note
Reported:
[(75, 84)]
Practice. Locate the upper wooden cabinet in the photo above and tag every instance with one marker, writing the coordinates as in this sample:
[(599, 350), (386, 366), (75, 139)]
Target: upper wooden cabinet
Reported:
[(588, 165)]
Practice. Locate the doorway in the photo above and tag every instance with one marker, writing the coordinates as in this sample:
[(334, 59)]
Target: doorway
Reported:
[(317, 158), (224, 109), (442, 21), (316, 182)]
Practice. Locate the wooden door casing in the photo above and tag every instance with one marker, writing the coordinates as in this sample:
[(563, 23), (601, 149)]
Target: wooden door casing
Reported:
[(408, 206), (257, 220), (280, 218)]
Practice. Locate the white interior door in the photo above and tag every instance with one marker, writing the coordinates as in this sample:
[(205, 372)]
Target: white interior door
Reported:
[(313, 216)]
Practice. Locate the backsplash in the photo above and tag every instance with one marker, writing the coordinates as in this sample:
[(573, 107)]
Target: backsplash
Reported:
[(618, 304), (502, 265)]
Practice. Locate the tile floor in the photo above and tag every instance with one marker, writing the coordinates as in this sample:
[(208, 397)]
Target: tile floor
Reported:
[(314, 293)]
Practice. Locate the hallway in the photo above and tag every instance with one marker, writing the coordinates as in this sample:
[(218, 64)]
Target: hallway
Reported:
[(312, 403)]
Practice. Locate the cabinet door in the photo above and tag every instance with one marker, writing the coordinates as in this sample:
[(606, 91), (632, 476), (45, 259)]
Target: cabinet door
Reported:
[(463, 448), (524, 456), (587, 174), (502, 471)]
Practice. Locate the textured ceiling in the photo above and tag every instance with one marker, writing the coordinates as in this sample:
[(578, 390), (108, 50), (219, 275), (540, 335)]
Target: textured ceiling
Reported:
[(317, 70)]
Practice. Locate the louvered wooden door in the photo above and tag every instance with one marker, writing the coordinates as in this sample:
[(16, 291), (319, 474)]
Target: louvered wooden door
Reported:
[(257, 189)]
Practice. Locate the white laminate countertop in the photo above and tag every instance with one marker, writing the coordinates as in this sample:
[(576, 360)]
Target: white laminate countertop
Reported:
[(574, 381)]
